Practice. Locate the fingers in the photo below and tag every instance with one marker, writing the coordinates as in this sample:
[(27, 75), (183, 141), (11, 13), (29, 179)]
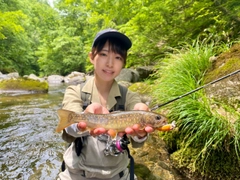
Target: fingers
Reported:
[(149, 129), (141, 106), (129, 131), (96, 108), (82, 126), (98, 131), (136, 130)]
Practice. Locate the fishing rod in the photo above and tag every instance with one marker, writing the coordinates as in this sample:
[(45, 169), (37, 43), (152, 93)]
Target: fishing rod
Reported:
[(190, 92)]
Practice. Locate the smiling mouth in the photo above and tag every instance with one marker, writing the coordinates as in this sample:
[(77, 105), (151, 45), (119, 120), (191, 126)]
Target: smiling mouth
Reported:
[(108, 71)]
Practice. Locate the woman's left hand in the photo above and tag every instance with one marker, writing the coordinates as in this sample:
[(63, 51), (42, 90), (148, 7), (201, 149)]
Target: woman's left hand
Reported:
[(136, 130)]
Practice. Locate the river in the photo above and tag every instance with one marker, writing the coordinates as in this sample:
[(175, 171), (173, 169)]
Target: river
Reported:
[(30, 149), (29, 146)]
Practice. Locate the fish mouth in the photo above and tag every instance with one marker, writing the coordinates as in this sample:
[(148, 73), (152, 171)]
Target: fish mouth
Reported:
[(164, 122)]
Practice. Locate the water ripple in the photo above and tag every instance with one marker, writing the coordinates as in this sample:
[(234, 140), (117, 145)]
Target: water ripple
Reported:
[(29, 146)]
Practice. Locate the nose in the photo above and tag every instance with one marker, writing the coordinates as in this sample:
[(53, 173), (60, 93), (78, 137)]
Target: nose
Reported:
[(110, 60)]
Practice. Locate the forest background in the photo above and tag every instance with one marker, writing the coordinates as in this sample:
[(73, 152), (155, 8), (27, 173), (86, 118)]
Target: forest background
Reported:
[(176, 37), (40, 39)]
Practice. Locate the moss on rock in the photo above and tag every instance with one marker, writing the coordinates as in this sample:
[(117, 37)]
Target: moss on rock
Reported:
[(219, 166), (24, 85), (141, 88), (142, 171), (226, 63)]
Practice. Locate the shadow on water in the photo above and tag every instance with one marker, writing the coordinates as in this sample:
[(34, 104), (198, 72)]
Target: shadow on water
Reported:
[(29, 146)]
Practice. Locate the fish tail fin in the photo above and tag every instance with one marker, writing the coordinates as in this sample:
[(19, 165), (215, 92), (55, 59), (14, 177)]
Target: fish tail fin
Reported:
[(64, 120)]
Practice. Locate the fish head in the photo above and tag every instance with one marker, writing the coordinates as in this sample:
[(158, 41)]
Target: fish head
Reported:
[(155, 120)]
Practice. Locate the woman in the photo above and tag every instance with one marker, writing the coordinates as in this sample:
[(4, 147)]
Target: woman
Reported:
[(108, 56)]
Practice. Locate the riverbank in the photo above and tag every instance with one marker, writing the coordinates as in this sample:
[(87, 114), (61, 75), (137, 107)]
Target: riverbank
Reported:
[(205, 144)]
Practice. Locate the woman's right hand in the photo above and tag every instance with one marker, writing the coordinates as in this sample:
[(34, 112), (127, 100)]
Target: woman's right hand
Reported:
[(94, 108)]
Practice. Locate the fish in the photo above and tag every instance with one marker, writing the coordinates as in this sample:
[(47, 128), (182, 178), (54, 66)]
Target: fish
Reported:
[(117, 121)]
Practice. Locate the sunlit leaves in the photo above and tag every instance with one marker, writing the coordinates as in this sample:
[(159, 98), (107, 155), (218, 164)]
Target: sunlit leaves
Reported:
[(11, 22), (155, 27)]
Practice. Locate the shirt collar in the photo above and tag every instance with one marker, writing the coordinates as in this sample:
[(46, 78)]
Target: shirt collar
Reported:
[(90, 88)]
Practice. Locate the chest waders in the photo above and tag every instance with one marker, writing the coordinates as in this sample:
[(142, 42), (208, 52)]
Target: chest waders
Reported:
[(120, 106)]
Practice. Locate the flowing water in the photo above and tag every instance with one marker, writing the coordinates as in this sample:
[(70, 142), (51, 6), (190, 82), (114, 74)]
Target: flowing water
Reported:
[(29, 146)]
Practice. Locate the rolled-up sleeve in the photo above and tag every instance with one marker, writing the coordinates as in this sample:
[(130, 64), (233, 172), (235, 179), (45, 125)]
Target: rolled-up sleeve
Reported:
[(132, 98), (72, 99)]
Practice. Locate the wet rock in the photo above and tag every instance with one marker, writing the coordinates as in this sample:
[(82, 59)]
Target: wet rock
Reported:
[(9, 76), (144, 72), (75, 78), (4, 76), (22, 85), (55, 79), (34, 77), (129, 75), (152, 161), (13, 75), (125, 83)]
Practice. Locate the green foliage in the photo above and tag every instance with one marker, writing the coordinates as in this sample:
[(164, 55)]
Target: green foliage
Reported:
[(204, 137), (155, 27), (10, 22), (62, 54), (20, 24), (12, 41), (182, 72)]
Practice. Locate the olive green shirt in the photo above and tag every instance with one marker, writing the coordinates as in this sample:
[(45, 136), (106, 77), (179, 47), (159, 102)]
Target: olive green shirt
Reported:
[(72, 99)]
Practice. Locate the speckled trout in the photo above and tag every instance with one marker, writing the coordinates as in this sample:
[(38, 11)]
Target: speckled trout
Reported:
[(117, 121)]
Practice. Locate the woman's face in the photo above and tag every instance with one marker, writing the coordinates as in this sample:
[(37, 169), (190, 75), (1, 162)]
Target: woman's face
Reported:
[(107, 64)]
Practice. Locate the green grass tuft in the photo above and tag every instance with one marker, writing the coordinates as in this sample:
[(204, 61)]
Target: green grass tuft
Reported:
[(203, 137)]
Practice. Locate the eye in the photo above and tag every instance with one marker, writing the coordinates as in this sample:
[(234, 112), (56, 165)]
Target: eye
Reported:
[(158, 117), (119, 58), (103, 54)]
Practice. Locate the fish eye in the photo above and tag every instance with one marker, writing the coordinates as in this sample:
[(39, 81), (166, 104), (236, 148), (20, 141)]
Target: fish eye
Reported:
[(158, 117)]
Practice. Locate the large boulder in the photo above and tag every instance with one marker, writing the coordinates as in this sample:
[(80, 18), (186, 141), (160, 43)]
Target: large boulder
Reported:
[(55, 79), (152, 161), (9, 76), (13, 75), (75, 78), (34, 77), (144, 72), (4, 76), (129, 75)]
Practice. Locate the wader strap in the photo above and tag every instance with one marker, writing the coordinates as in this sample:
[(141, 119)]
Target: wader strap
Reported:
[(63, 166), (85, 97), (120, 106), (131, 169), (79, 145)]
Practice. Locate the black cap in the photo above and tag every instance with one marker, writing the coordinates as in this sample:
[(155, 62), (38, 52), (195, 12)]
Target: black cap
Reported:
[(113, 33)]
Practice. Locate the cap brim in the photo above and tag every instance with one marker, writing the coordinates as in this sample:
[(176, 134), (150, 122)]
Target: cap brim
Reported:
[(115, 34)]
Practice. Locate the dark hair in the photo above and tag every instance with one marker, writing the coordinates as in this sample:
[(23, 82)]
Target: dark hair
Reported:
[(115, 45)]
